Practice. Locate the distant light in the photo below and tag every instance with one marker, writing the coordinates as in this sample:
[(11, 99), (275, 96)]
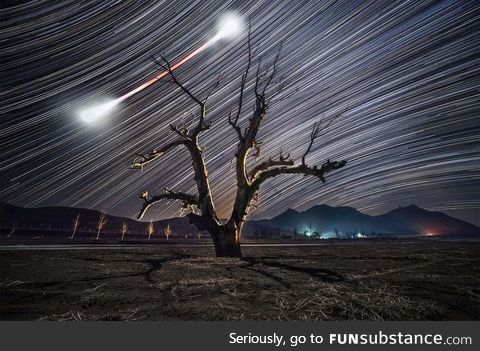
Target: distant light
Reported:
[(95, 113), (230, 26)]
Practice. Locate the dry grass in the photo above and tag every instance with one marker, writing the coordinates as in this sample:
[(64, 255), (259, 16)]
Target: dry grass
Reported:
[(65, 317), (8, 283), (382, 282), (344, 301)]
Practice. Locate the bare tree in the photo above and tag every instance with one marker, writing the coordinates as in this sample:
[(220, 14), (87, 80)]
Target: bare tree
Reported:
[(13, 228), (76, 223), (102, 220), (200, 207), (124, 229), (150, 229), (167, 231)]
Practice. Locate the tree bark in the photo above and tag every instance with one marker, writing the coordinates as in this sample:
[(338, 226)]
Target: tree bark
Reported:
[(227, 241)]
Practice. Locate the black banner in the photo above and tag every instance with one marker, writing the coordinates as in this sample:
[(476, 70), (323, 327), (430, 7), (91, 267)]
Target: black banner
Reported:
[(176, 336)]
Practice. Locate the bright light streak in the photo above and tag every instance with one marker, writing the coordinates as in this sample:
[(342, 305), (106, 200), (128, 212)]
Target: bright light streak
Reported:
[(172, 67), (229, 26), (93, 114)]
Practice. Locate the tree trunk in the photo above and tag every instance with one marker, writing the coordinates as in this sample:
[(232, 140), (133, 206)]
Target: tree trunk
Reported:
[(227, 242)]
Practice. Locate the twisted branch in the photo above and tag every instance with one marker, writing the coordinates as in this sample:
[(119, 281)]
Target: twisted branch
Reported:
[(144, 159), (188, 200), (301, 169), (234, 121), (271, 162)]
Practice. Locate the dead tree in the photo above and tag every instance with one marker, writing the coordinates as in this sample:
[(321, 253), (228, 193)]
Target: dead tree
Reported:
[(150, 230), (124, 229), (167, 231), (102, 220), (200, 207), (13, 228), (75, 224)]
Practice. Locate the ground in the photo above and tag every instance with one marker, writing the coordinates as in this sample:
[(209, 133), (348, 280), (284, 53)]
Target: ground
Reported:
[(364, 279)]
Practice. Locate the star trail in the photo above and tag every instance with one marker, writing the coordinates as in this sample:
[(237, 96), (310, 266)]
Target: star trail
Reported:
[(404, 76)]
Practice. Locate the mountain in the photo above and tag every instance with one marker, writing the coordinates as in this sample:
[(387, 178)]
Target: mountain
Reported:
[(347, 221), (322, 219), (425, 222), (61, 218)]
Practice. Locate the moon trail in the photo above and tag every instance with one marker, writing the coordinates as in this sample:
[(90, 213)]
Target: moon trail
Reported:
[(230, 25), (164, 73), (92, 114)]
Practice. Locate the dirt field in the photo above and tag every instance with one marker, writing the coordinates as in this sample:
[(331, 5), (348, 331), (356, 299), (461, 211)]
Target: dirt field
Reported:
[(373, 280)]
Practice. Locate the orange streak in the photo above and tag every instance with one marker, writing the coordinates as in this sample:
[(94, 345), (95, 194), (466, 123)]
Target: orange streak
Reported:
[(164, 73)]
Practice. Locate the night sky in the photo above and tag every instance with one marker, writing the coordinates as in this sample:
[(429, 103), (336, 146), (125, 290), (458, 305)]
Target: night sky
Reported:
[(404, 75)]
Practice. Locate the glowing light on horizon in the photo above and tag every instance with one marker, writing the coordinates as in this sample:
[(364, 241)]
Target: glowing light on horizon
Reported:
[(230, 26)]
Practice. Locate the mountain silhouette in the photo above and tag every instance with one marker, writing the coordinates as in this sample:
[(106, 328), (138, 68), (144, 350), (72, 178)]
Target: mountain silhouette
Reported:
[(61, 218), (328, 221), (323, 219), (422, 221)]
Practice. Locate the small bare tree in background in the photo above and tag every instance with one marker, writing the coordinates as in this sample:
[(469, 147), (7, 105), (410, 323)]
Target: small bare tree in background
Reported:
[(150, 229), (76, 223), (102, 220), (13, 228), (167, 231), (124, 229)]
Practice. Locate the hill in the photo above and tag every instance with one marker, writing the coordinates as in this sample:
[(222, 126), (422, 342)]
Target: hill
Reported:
[(320, 220), (61, 218), (348, 222)]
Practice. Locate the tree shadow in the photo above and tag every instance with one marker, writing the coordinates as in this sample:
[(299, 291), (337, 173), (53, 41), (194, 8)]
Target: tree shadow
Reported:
[(252, 264), (154, 265), (324, 275), (268, 275)]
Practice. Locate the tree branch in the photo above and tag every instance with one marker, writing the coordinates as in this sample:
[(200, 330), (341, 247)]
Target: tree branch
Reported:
[(191, 141), (317, 130), (246, 143), (301, 169), (234, 122), (274, 71), (280, 161), (187, 200), (168, 68), (202, 104), (183, 131), (313, 136), (144, 159), (215, 86)]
